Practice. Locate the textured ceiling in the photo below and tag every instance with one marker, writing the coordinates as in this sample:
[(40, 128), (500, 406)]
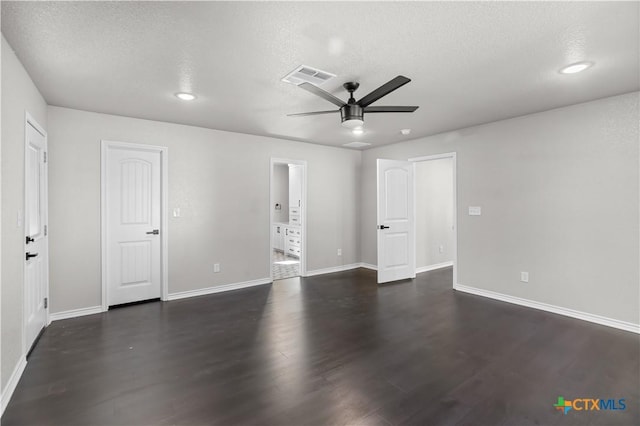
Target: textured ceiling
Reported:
[(470, 63)]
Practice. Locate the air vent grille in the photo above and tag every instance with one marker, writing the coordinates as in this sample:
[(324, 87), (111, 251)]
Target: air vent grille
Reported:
[(356, 144), (306, 74)]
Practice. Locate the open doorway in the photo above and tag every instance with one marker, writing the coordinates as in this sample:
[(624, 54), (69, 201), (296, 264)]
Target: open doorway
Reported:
[(436, 228), (287, 251)]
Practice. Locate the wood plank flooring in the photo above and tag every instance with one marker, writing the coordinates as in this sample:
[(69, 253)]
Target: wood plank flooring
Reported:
[(327, 350)]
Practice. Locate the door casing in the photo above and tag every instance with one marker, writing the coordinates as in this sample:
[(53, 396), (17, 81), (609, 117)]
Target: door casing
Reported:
[(31, 121), (106, 145)]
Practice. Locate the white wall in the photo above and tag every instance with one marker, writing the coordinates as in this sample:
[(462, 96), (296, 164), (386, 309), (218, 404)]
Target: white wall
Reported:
[(434, 212), (281, 192), (559, 192), (220, 181), (19, 94)]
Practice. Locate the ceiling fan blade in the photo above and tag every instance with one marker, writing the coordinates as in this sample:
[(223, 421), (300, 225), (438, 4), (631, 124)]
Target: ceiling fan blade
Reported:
[(303, 114), (390, 109), (319, 92), (383, 90)]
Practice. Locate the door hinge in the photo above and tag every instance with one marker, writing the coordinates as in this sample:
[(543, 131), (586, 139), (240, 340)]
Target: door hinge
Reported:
[(45, 156), (46, 302), (45, 230)]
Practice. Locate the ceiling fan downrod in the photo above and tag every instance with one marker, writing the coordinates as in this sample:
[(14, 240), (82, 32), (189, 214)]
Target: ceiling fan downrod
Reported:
[(351, 114)]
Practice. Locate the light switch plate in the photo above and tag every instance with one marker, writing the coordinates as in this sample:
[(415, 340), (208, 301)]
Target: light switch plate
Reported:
[(475, 210), (176, 212)]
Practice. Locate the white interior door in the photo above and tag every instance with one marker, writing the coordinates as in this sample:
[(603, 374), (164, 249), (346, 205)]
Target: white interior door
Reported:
[(396, 220), (36, 246), (133, 209)]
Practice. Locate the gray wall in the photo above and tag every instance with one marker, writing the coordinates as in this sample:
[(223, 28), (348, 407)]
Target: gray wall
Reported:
[(281, 192), (559, 196), (19, 94), (220, 181), (434, 212)]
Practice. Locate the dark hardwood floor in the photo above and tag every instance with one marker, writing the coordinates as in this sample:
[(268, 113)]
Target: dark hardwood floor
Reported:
[(327, 350)]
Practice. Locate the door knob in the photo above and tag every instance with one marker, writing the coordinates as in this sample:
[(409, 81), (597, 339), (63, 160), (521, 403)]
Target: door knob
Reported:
[(154, 232), (29, 255), (383, 227), (29, 239)]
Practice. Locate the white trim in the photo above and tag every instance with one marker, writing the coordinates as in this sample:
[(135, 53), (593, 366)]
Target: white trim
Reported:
[(164, 214), (433, 157), (368, 266), (217, 289), (597, 319), (303, 258), (73, 313), (454, 157), (31, 120), (433, 267), (333, 269), (8, 390)]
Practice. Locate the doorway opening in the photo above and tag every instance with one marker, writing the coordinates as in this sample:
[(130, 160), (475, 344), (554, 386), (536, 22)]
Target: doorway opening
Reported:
[(436, 213), (287, 218)]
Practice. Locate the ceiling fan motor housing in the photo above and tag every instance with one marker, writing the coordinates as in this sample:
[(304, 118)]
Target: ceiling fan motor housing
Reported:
[(352, 115)]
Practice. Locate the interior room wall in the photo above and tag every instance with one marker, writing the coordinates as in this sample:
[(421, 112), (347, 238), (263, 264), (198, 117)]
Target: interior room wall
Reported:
[(19, 94), (281, 192), (434, 212), (219, 180), (559, 192)]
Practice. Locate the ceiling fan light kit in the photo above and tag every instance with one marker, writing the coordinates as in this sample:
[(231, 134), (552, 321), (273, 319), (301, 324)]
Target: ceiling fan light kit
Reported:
[(352, 112)]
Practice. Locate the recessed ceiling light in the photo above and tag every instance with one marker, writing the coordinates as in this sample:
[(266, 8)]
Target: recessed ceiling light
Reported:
[(356, 144), (405, 131), (357, 131), (185, 96), (577, 67)]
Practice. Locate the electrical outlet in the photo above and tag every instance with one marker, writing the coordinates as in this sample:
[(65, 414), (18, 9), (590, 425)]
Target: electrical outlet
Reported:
[(524, 277), (441, 249), (339, 252), (216, 267)]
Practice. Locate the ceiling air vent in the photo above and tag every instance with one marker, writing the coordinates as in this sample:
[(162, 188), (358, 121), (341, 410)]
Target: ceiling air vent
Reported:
[(356, 144), (305, 74)]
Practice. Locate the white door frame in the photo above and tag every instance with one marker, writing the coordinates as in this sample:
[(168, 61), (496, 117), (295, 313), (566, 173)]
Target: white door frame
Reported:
[(451, 155), (29, 120), (303, 256), (164, 234)]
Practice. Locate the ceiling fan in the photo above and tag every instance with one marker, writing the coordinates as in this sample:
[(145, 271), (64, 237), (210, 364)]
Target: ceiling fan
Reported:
[(352, 111)]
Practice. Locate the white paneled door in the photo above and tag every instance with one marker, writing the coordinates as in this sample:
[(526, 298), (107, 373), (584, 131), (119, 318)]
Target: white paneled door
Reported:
[(396, 220), (133, 208), (36, 240)]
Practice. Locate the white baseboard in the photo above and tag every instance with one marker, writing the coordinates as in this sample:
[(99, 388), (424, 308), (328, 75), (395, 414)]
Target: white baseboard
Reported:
[(597, 319), (368, 266), (7, 392), (434, 267), (217, 289), (75, 313), (333, 269)]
